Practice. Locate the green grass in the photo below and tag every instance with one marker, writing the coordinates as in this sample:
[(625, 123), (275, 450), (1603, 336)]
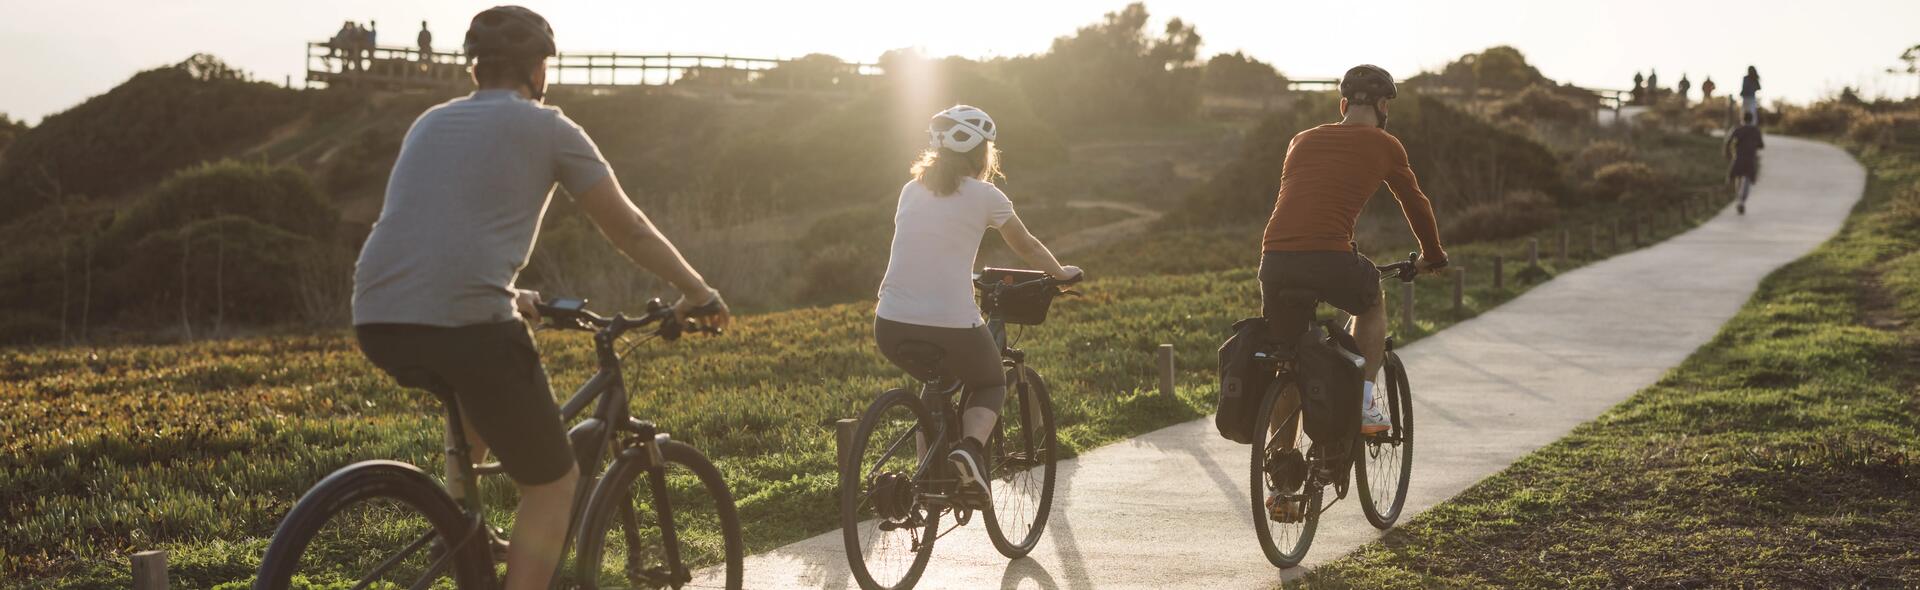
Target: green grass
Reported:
[(1781, 454)]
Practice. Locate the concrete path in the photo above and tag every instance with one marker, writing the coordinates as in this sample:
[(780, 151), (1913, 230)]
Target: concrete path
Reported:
[(1169, 509)]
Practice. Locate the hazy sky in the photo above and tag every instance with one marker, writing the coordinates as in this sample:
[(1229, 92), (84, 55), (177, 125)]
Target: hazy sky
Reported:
[(53, 54)]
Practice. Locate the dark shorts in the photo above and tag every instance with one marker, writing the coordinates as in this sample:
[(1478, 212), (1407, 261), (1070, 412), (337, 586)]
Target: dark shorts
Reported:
[(494, 372), (1346, 280), (1748, 169), (970, 356)]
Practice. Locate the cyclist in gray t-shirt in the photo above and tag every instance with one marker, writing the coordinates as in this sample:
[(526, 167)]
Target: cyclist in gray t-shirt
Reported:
[(434, 302)]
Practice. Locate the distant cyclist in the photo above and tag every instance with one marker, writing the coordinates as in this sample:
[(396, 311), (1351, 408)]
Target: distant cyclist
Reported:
[(434, 302), (927, 294), (1743, 145), (1329, 173)]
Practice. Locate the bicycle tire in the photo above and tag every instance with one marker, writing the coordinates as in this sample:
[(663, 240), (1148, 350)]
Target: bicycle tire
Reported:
[(1030, 398), (852, 492), (471, 566), (1257, 485), (623, 479), (1400, 412)]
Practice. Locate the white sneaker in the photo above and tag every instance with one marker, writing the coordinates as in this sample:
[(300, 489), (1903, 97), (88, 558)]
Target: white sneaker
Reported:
[(1374, 421)]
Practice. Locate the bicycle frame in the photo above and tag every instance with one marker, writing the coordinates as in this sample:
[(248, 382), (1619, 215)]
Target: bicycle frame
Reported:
[(608, 386), (937, 398)]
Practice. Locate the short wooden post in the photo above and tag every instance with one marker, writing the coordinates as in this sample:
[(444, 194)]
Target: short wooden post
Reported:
[(1406, 306), (1533, 252), (843, 431), (1459, 291), (1165, 355), (1593, 242), (150, 570), (1566, 246), (1499, 272)]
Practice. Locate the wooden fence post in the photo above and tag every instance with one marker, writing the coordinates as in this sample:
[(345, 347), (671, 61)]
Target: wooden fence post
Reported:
[(843, 431), (150, 570), (1406, 306), (1499, 272), (1533, 252), (1165, 354), (1566, 246), (1459, 291)]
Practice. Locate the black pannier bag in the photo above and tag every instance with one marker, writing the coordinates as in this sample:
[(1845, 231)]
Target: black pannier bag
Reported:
[(1026, 307), (1330, 388), (1243, 379)]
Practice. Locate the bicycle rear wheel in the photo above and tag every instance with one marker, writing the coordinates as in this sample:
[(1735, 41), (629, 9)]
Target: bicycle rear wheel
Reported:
[(888, 533), (1279, 463), (1386, 459), (1022, 453), (377, 524), (625, 543)]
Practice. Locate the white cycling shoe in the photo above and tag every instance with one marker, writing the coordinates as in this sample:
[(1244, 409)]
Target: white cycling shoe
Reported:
[(1373, 420)]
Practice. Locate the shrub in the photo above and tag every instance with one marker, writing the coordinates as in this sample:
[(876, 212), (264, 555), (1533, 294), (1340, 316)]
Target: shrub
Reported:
[(1515, 214), (1598, 155), (230, 267), (1540, 103), (1624, 180), (1885, 128), (279, 196), (1823, 118)]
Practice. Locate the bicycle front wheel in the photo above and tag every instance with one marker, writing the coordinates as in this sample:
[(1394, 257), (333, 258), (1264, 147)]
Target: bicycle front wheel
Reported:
[(377, 524), (1286, 506), (888, 531), (1022, 456), (646, 530), (1386, 458)]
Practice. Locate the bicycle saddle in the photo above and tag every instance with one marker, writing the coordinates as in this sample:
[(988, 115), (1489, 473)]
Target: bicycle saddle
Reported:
[(920, 358)]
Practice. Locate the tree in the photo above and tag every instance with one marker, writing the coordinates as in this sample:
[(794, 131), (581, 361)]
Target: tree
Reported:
[(1910, 57), (9, 129), (1238, 74), (1115, 70), (1504, 68)]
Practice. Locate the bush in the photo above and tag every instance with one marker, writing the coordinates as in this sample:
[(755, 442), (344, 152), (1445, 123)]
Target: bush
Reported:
[(1599, 154), (1542, 104), (279, 196), (1624, 181), (1823, 118), (1515, 214), (1884, 129)]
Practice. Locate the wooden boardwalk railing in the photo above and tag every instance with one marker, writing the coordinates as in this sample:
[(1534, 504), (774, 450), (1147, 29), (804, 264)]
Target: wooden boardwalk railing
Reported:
[(404, 67)]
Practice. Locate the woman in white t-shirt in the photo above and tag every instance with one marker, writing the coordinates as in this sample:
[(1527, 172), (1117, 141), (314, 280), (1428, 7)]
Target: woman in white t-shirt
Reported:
[(927, 295)]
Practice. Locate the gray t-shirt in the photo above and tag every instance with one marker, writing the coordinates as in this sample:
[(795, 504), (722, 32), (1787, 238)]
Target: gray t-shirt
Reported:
[(463, 208)]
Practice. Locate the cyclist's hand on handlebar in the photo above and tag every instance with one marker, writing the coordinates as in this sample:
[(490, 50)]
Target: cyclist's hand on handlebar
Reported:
[(711, 311), (1427, 265), (528, 302), (1071, 274)]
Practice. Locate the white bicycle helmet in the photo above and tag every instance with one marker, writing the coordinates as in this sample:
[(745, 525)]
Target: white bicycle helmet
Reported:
[(971, 127)]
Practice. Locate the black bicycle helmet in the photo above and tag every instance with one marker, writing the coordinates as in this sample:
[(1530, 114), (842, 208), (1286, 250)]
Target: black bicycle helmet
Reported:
[(1367, 83), (511, 32)]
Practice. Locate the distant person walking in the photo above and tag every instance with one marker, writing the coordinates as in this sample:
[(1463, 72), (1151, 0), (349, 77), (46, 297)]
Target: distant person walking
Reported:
[(1683, 87), (1744, 145), (1750, 96), (425, 39)]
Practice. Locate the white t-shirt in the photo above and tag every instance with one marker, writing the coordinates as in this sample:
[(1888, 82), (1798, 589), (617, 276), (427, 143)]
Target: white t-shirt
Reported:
[(929, 278)]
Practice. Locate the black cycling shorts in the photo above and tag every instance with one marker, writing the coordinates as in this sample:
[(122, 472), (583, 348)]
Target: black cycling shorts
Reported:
[(494, 372), (1346, 280)]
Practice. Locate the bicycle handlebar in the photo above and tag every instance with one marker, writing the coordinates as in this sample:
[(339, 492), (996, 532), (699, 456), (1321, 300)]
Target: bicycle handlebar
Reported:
[(1045, 282), (1404, 270), (658, 312)]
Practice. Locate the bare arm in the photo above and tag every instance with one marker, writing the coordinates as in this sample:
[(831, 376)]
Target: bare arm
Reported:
[(1031, 250), (634, 235)]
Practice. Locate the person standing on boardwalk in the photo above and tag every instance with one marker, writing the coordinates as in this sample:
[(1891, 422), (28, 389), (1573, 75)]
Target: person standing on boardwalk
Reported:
[(1750, 96), (1653, 86), (1683, 87), (1639, 88), (1706, 89), (1743, 145), (425, 39)]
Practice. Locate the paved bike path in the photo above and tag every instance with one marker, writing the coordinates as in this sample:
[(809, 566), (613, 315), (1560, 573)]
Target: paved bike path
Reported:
[(1169, 509)]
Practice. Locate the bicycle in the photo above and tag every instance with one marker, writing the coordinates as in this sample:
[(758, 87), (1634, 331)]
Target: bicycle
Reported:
[(1285, 458), (891, 502), (626, 537)]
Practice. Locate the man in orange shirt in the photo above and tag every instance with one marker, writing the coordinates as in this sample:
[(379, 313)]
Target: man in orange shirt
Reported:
[(1329, 173)]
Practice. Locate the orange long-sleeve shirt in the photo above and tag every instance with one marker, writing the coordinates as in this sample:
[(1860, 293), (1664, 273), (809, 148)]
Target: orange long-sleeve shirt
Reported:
[(1329, 173)]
